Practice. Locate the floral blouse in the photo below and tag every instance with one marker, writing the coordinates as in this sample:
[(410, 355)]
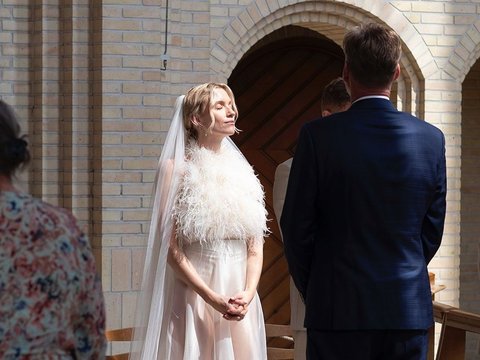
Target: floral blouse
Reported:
[(51, 301)]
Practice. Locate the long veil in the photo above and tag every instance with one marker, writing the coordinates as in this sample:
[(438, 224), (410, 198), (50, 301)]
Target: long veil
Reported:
[(153, 300)]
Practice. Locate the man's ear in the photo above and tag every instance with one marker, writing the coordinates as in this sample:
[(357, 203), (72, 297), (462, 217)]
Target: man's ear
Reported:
[(346, 73), (326, 113), (397, 72)]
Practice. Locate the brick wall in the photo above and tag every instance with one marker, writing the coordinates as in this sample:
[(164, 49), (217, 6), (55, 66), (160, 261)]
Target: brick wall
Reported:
[(132, 83)]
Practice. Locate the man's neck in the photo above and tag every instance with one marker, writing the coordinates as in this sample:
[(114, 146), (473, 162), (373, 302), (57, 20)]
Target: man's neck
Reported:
[(358, 90), (359, 93)]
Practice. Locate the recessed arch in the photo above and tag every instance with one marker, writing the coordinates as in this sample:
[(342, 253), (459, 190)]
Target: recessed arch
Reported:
[(469, 286), (465, 54), (331, 20)]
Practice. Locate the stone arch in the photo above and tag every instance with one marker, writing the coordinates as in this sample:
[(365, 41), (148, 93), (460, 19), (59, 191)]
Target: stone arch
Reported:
[(465, 54), (332, 20)]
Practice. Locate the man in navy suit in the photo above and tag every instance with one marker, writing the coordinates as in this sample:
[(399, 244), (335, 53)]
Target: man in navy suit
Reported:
[(364, 214)]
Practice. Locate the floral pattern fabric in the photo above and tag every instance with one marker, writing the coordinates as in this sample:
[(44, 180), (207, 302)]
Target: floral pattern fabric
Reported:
[(51, 301)]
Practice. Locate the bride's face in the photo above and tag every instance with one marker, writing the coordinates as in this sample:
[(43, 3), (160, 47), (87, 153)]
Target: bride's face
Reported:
[(222, 113)]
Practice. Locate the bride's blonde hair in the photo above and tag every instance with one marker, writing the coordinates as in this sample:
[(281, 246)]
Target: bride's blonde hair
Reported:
[(199, 100)]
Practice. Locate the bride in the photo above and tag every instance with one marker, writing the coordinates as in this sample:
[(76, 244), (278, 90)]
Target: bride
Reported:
[(205, 248)]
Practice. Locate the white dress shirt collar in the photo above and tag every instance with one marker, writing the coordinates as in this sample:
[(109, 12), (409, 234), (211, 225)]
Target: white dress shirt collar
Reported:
[(371, 97)]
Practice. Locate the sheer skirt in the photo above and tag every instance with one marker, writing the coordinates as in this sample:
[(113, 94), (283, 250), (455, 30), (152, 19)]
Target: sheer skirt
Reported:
[(194, 330)]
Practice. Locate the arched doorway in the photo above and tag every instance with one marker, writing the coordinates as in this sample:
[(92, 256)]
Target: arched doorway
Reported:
[(470, 205), (278, 85)]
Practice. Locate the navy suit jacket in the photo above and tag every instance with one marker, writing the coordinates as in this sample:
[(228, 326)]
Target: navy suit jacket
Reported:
[(363, 215)]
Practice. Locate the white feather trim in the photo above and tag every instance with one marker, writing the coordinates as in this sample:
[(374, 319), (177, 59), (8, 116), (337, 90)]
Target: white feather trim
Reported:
[(219, 198)]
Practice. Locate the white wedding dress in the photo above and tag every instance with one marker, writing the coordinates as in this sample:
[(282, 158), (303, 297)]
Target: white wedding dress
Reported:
[(220, 204)]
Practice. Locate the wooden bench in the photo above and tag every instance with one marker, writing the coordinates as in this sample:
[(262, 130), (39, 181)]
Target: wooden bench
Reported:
[(455, 325)]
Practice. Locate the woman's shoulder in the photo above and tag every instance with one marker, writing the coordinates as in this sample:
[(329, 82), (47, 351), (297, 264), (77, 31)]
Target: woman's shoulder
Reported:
[(34, 213), (49, 210)]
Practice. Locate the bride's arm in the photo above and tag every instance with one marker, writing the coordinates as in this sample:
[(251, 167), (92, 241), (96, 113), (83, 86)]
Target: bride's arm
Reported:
[(187, 273), (254, 270)]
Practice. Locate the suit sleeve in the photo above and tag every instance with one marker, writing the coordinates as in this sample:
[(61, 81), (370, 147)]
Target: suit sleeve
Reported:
[(298, 220), (279, 189), (433, 223)]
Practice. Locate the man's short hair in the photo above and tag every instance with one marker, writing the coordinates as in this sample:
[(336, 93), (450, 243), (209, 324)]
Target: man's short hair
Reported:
[(372, 53), (335, 95)]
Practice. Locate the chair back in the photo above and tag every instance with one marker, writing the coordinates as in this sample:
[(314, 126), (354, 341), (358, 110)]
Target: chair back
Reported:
[(118, 335), (280, 343)]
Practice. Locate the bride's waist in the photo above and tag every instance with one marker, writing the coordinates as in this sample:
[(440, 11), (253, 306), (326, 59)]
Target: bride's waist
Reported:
[(228, 246)]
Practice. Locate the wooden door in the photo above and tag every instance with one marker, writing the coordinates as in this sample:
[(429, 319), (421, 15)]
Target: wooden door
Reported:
[(277, 88)]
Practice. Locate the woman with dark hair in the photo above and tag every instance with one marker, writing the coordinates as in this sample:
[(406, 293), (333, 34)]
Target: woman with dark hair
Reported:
[(51, 301)]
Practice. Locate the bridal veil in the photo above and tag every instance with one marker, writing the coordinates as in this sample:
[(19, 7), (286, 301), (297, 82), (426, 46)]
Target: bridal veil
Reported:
[(151, 302)]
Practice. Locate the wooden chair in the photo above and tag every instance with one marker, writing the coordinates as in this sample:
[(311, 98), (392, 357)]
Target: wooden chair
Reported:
[(124, 334), (279, 350), (280, 343)]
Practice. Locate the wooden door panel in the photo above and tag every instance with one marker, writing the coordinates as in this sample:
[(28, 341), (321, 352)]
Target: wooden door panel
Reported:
[(273, 111)]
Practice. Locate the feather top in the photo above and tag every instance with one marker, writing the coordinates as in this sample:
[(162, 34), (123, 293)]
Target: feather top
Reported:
[(219, 198)]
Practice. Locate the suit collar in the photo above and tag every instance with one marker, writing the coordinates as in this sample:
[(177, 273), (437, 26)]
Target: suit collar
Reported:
[(376, 102)]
